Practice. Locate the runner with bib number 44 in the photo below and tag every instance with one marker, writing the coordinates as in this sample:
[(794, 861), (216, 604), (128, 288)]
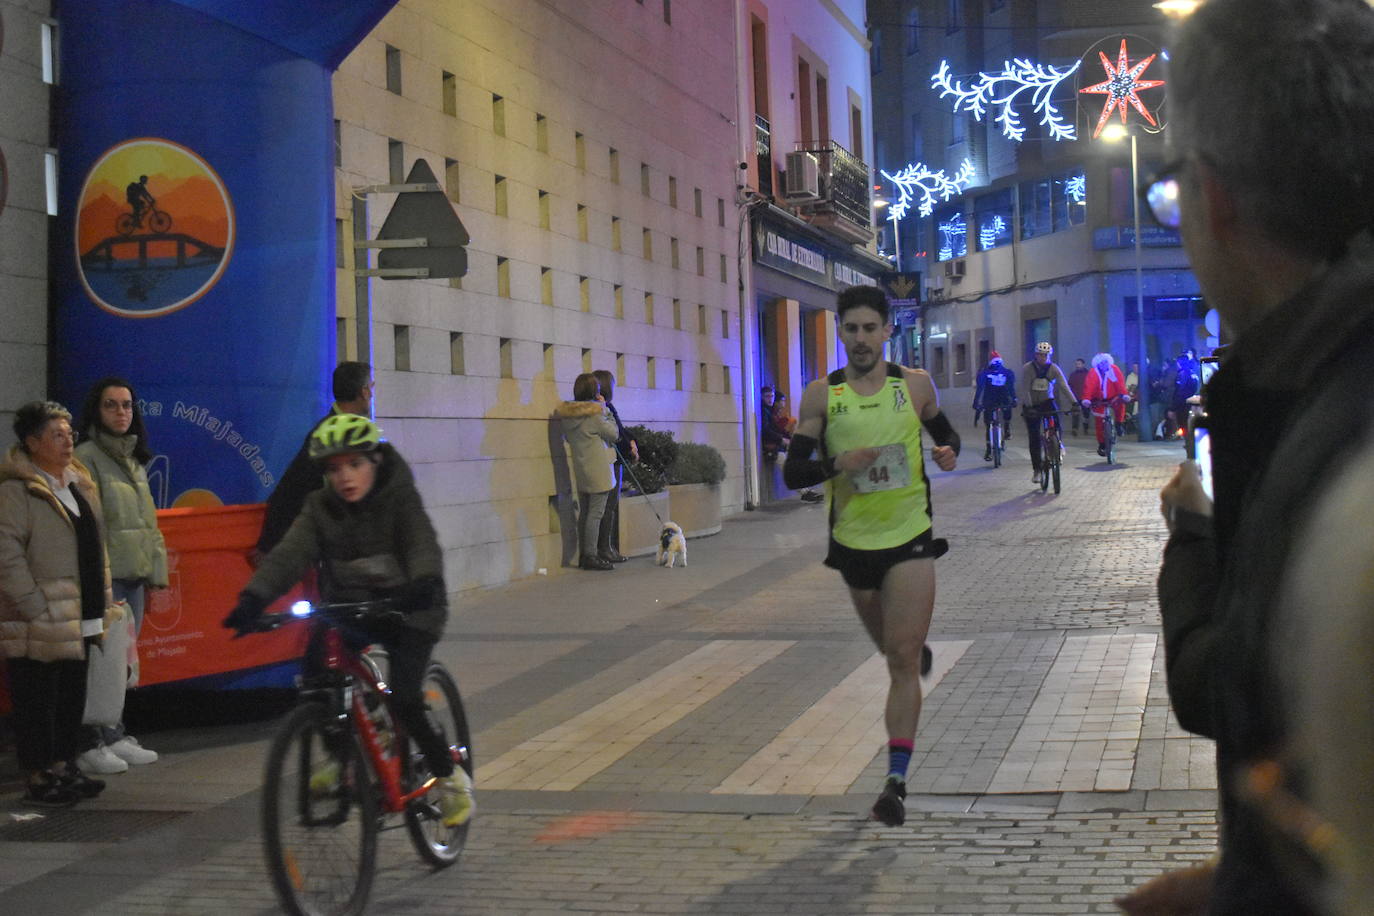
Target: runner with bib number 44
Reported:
[(867, 420)]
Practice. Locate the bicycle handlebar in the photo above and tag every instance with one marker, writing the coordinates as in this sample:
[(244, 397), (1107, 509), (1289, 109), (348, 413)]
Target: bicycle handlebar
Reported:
[(347, 611)]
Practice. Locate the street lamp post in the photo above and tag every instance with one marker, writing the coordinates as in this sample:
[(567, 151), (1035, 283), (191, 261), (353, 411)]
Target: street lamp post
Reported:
[(897, 242), (1114, 133)]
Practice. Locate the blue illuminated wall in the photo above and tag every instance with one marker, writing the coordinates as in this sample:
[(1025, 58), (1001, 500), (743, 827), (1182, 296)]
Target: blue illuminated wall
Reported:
[(221, 309)]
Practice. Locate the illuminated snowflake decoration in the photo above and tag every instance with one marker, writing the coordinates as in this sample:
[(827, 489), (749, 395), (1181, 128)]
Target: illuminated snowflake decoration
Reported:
[(954, 233), (989, 232), (1121, 86), (918, 177), (1076, 187), (1001, 90)]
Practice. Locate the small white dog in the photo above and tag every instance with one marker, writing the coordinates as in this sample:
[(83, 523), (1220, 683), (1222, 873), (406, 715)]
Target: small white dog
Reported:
[(671, 545)]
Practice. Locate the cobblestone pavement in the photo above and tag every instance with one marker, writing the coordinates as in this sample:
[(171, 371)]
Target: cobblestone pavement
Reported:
[(709, 740)]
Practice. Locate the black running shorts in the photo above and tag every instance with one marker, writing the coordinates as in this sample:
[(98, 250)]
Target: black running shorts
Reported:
[(865, 569)]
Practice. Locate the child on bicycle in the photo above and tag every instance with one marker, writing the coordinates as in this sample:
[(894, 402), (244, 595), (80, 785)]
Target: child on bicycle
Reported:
[(368, 532)]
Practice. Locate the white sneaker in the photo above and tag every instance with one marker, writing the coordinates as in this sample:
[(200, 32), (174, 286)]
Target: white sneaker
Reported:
[(99, 760), (130, 751)]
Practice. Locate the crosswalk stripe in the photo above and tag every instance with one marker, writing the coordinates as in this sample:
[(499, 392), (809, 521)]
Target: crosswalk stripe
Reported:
[(565, 756), (825, 749), (1082, 732)]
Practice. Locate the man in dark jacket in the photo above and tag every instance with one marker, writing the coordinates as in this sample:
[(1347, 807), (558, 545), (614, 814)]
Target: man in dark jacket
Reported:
[(1290, 269), (625, 448), (1077, 379), (352, 394)]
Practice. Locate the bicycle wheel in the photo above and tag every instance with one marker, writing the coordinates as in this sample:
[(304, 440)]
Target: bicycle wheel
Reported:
[(319, 816), (1054, 469), (996, 433), (1109, 434), (438, 845), (159, 221), (124, 224), (1047, 447)]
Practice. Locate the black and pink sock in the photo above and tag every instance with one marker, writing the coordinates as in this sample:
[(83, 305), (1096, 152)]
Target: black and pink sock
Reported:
[(899, 757)]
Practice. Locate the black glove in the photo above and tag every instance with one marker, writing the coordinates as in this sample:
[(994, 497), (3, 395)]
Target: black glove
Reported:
[(419, 595), (977, 414), (246, 614)]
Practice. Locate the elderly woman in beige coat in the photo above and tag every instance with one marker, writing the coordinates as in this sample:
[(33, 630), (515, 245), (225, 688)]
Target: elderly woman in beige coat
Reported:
[(590, 432), (54, 598)]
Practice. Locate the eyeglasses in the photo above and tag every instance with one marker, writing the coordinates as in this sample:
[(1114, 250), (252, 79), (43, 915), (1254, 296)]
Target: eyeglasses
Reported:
[(1160, 192), (108, 404), (60, 434)]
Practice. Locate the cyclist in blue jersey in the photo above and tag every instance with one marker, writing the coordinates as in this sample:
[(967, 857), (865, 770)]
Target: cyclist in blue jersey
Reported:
[(996, 390)]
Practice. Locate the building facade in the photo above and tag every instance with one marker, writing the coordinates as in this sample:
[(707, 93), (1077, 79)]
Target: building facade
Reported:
[(27, 194), (590, 153), (606, 164), (807, 113), (1040, 245)]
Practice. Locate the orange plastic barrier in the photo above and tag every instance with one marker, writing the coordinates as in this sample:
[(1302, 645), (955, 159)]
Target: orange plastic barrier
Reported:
[(207, 558)]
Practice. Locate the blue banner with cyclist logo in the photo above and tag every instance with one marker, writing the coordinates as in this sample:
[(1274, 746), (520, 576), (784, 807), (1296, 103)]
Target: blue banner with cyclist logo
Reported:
[(195, 245)]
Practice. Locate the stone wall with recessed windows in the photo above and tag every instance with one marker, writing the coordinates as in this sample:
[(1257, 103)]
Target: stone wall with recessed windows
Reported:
[(23, 203), (591, 150)]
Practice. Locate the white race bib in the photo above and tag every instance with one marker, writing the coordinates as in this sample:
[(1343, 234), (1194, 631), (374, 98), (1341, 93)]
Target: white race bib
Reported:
[(889, 471)]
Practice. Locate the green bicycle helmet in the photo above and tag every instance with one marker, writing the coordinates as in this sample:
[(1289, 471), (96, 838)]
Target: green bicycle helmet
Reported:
[(342, 434)]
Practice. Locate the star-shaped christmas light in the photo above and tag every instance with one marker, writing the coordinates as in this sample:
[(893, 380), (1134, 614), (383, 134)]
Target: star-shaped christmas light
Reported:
[(1120, 87)]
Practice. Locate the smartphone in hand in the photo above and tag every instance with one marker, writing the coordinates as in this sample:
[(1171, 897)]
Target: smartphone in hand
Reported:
[(1199, 449)]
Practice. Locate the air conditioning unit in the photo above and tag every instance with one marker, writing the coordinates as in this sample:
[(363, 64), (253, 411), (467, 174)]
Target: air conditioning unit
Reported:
[(954, 269), (803, 177)]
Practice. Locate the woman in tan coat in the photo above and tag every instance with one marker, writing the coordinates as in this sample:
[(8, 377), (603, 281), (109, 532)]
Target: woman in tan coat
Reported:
[(591, 433), (54, 595)]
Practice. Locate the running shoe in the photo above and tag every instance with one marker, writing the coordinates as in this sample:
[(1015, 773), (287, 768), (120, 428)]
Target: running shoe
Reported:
[(324, 779), (455, 798), (890, 808), (130, 751), (101, 760)]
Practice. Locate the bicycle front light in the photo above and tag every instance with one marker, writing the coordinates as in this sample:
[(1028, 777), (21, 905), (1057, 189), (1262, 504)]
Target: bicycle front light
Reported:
[(302, 609)]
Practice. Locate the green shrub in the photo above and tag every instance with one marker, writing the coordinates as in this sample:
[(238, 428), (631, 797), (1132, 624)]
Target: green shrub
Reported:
[(697, 463), (657, 452)]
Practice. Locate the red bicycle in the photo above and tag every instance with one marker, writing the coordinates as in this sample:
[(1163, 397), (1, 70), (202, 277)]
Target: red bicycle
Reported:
[(342, 766), (1105, 411)]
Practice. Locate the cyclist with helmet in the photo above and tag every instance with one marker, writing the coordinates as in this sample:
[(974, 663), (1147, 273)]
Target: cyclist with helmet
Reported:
[(1043, 386), (996, 390), (368, 532)]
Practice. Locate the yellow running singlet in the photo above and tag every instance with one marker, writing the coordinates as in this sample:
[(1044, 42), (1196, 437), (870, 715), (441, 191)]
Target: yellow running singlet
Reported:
[(887, 504)]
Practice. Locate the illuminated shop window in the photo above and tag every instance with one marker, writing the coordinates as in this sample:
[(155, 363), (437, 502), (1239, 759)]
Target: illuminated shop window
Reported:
[(951, 234)]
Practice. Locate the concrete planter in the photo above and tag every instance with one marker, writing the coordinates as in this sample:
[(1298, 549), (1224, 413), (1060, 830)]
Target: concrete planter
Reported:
[(638, 526), (696, 508)]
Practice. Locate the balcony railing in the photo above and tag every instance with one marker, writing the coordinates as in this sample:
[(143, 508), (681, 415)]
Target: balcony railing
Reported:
[(763, 153), (846, 204)]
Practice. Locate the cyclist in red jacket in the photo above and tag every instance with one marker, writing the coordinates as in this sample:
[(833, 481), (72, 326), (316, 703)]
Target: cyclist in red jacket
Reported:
[(1104, 382)]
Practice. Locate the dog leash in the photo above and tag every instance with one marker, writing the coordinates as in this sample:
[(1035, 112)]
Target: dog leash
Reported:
[(639, 486)]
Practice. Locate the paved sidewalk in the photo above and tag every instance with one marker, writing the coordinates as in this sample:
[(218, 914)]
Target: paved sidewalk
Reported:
[(709, 739)]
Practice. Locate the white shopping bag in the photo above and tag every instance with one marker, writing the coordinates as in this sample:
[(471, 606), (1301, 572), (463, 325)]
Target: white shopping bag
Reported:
[(107, 670)]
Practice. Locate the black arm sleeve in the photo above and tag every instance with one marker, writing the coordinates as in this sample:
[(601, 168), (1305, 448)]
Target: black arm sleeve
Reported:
[(800, 470), (942, 432)]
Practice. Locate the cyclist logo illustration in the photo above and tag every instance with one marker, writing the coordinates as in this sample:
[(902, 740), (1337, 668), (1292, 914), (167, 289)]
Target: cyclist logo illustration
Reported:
[(132, 260), (139, 198), (898, 397)]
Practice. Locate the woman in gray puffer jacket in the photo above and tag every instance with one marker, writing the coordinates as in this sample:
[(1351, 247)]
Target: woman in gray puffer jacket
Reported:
[(114, 447), (591, 433)]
